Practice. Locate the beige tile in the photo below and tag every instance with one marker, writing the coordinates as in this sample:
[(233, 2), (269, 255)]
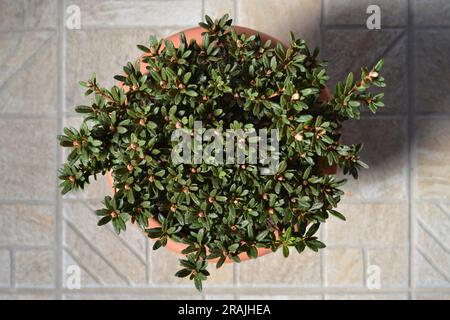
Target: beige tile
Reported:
[(26, 14), (107, 13), (28, 80), (433, 152), (434, 219), (220, 277), (369, 224), (5, 268), (384, 151), (432, 244), (367, 296), (164, 264), (22, 224), (279, 17), (96, 270), (344, 267), (115, 47), (217, 8), (351, 12), (357, 48), (27, 159), (27, 43), (273, 269), (105, 257), (393, 264), (428, 274), (432, 70), (33, 268), (431, 12)]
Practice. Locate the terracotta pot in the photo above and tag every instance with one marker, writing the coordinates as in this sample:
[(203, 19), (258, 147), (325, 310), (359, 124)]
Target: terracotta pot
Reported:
[(196, 34)]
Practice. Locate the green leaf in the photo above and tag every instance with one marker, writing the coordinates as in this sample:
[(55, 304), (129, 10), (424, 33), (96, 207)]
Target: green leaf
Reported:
[(104, 220), (379, 65), (183, 273), (191, 93), (159, 185), (198, 283), (337, 214), (200, 235), (143, 48), (312, 230), (220, 262), (285, 251), (262, 235), (252, 252), (154, 232), (233, 247), (83, 109)]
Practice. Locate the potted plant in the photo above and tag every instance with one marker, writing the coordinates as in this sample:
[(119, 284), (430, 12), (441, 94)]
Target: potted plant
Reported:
[(226, 78)]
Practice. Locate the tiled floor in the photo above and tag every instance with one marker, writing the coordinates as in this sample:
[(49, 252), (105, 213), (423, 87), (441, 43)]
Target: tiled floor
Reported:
[(398, 212)]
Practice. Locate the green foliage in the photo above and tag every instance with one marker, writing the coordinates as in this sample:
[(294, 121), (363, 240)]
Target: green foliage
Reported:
[(229, 81)]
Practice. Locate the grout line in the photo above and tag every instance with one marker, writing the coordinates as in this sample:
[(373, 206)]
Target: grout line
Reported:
[(433, 115), (28, 116), (322, 18), (58, 256), (411, 146), (27, 202), (235, 281), (289, 290), (432, 28), (12, 263), (322, 21), (362, 27), (366, 263), (25, 30), (25, 247), (202, 10), (148, 263), (235, 9), (238, 284), (322, 259)]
